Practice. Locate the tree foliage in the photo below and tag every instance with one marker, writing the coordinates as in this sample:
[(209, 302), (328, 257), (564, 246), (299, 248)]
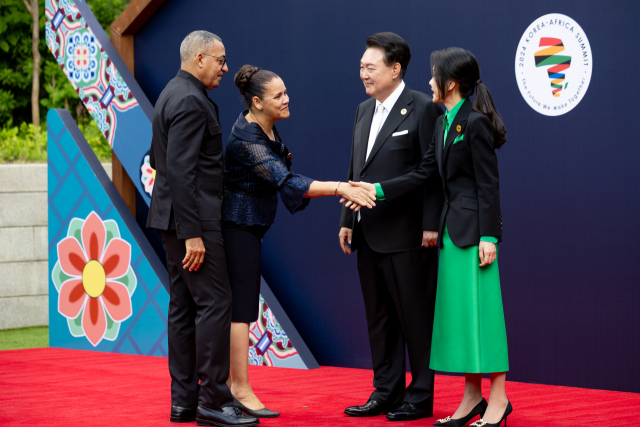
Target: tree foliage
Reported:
[(16, 62), (16, 65), (106, 11)]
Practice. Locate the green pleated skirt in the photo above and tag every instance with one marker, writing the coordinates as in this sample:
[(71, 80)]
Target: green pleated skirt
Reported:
[(469, 334)]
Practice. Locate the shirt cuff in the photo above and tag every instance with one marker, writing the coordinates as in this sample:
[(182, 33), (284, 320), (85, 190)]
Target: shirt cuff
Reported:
[(489, 239), (379, 192)]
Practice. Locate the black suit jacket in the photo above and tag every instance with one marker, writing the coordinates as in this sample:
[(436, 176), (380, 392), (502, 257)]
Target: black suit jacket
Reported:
[(186, 152), (469, 171), (395, 227)]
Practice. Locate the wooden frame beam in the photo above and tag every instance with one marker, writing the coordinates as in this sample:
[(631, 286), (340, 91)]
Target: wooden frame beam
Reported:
[(127, 25), (123, 30)]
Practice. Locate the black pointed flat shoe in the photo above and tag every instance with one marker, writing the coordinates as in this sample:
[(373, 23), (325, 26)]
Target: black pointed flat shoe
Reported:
[(260, 413)]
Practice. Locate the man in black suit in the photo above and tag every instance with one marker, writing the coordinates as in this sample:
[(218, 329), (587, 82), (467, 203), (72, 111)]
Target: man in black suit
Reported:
[(397, 257), (186, 207)]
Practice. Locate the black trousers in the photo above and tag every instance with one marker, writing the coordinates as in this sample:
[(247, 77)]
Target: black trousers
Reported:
[(399, 291), (199, 324)]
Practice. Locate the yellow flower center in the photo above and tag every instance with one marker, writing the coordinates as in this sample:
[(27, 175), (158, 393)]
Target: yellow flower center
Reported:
[(153, 173), (94, 278)]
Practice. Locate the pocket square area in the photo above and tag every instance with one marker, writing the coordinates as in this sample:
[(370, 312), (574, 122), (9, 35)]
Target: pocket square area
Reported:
[(402, 132), (458, 139)]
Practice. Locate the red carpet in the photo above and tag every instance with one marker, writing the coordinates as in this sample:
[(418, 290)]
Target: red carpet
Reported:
[(56, 387)]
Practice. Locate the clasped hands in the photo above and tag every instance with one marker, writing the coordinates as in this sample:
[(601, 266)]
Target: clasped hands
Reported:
[(366, 187), (357, 196)]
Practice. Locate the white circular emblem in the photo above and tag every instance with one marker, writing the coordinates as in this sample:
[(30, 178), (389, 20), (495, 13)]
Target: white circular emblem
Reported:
[(553, 64)]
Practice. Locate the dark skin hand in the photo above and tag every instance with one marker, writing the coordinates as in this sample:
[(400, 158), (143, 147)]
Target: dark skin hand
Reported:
[(195, 254)]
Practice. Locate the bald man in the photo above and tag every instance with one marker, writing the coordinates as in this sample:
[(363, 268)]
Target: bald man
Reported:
[(186, 208)]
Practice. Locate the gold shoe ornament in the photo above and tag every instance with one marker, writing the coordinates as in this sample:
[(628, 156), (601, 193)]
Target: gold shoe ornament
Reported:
[(479, 423), (444, 420)]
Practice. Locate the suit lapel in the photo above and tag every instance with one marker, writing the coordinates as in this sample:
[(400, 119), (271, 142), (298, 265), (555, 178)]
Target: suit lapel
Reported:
[(362, 139), (459, 120), (394, 119)]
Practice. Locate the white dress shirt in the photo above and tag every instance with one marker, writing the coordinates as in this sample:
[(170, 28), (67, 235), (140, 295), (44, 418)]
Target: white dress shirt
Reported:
[(380, 115)]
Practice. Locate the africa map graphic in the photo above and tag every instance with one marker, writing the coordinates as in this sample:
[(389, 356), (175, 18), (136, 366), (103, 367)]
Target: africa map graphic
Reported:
[(550, 56)]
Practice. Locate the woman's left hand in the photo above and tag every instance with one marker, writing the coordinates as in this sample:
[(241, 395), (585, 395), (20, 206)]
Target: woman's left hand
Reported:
[(487, 253)]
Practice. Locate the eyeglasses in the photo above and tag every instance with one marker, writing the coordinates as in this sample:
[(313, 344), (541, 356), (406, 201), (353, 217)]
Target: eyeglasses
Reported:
[(224, 58)]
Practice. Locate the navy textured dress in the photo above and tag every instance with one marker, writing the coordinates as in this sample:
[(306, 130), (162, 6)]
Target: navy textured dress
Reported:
[(256, 169)]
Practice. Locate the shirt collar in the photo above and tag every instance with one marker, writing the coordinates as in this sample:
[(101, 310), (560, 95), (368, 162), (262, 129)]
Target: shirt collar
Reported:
[(391, 100), (252, 132), (451, 114), (193, 79)]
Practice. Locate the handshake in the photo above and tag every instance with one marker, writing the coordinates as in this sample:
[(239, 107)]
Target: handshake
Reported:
[(357, 195)]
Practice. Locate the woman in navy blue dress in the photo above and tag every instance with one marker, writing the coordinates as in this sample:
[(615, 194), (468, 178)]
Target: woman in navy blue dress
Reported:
[(257, 168)]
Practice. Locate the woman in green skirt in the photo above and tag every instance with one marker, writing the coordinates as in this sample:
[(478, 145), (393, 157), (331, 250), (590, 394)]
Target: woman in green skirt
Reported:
[(469, 332)]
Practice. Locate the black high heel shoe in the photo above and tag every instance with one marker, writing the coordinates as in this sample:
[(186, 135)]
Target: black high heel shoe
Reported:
[(479, 409), (507, 412)]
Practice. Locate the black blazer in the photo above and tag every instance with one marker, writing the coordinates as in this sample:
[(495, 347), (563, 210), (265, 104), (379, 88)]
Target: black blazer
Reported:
[(395, 227), (469, 170), (186, 152)]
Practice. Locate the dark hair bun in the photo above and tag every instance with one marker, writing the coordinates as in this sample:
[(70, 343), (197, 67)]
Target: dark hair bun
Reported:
[(243, 76), (252, 82)]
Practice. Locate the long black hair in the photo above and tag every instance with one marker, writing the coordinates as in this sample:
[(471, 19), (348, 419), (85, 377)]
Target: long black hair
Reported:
[(461, 66)]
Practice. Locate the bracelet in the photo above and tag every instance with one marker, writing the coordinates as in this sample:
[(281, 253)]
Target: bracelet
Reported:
[(335, 193)]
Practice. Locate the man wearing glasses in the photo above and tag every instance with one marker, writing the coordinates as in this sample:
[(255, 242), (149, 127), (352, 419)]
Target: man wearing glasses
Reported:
[(186, 208)]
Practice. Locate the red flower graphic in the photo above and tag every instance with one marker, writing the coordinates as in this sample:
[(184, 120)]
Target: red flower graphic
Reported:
[(92, 265)]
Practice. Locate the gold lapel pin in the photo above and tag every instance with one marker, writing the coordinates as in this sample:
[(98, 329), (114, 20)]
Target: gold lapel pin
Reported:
[(403, 111), (458, 128)]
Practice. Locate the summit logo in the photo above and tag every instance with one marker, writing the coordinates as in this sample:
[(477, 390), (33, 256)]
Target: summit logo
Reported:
[(549, 56), (553, 64)]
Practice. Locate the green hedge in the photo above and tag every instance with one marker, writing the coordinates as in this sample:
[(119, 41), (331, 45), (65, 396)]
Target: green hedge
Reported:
[(26, 143)]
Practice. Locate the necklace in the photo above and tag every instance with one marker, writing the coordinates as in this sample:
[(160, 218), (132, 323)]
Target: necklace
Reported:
[(262, 127)]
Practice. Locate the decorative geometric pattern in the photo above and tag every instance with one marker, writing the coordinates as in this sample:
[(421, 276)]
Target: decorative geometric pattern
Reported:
[(81, 57), (267, 339), (102, 286), (87, 66), (100, 86), (549, 56)]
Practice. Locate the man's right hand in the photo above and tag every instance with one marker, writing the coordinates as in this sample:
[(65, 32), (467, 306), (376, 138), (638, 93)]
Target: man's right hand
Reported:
[(195, 253), (370, 188), (345, 239)]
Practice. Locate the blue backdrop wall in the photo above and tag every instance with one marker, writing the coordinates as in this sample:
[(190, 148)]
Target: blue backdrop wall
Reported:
[(569, 184)]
